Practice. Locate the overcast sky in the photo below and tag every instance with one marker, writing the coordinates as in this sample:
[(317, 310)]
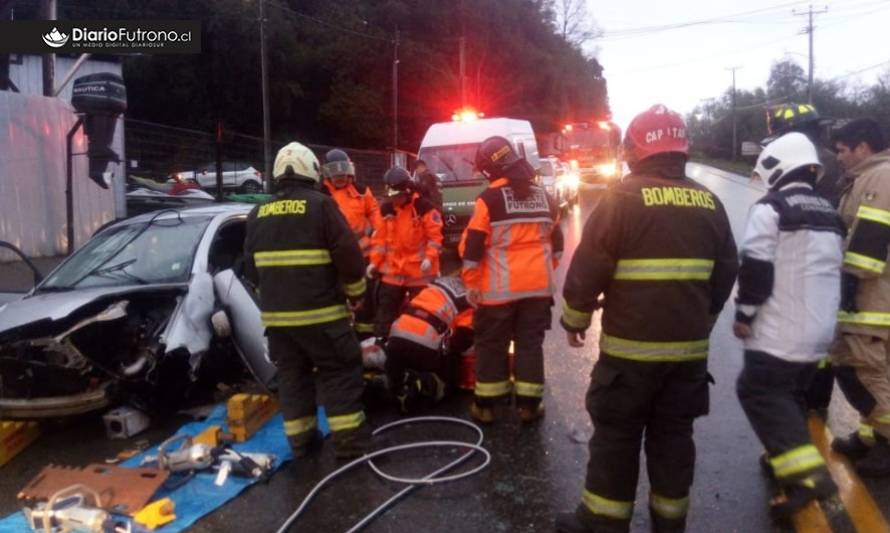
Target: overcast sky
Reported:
[(680, 67)]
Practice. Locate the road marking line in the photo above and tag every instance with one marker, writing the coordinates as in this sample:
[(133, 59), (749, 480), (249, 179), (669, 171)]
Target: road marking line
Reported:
[(861, 507)]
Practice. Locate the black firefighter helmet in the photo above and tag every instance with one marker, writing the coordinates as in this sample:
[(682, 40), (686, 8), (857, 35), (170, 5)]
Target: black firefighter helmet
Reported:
[(496, 158)]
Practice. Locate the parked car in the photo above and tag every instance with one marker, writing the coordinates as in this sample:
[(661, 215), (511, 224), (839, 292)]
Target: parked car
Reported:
[(559, 181), (236, 175), (133, 314)]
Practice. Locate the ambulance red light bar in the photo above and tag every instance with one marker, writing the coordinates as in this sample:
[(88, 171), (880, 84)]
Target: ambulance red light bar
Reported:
[(603, 125), (466, 115)]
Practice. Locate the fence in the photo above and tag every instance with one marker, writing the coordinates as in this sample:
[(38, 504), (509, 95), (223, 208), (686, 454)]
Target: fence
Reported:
[(158, 151)]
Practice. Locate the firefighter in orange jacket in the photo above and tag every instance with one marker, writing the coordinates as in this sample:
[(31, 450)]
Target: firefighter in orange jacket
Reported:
[(509, 249), (659, 247), (359, 207), (404, 249), (426, 343)]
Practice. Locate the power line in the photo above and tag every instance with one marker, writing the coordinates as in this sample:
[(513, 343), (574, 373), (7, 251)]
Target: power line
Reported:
[(329, 24), (860, 71)]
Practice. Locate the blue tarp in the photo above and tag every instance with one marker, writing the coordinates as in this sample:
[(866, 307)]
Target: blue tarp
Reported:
[(200, 496)]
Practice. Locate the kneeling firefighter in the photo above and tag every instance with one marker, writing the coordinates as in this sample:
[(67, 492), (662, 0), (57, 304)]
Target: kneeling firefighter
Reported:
[(304, 258), (420, 367)]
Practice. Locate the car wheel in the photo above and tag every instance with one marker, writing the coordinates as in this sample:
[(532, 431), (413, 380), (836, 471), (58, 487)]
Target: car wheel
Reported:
[(251, 187)]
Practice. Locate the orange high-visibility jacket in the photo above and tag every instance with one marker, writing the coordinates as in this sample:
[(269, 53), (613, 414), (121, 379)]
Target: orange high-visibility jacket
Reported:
[(406, 236), (511, 245), (440, 307), (359, 208)]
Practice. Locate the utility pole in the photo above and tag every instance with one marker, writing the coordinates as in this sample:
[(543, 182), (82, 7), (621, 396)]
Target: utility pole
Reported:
[(49, 12), (264, 73), (735, 140), (395, 96), (809, 30), (463, 75)]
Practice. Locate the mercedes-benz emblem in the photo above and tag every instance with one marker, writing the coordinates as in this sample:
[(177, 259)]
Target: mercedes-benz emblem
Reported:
[(450, 220)]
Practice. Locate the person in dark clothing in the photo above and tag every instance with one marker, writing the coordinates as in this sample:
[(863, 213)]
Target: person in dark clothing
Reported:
[(660, 248), (428, 184), (306, 261)]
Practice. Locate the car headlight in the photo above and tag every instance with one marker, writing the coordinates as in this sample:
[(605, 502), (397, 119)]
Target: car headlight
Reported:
[(607, 169), (571, 181)]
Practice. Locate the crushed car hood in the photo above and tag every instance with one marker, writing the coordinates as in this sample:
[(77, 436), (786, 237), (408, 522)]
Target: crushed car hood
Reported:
[(53, 306)]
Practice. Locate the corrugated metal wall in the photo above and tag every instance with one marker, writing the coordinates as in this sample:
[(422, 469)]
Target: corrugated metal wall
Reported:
[(32, 164)]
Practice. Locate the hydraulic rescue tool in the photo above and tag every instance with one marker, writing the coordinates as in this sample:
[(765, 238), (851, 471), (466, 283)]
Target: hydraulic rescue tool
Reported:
[(181, 454), (75, 509)]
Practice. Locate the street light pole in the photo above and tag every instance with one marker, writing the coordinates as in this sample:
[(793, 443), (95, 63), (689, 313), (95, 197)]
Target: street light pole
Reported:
[(264, 73), (735, 140)]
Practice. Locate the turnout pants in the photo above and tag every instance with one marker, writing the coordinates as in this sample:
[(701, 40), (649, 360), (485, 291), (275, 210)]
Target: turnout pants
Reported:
[(364, 317), (772, 392), (320, 362), (862, 367), (525, 323), (390, 299), (627, 400)]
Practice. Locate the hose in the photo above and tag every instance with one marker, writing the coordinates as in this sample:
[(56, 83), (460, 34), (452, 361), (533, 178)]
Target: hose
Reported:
[(413, 483)]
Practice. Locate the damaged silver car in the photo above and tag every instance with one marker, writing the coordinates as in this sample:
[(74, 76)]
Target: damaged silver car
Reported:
[(139, 313)]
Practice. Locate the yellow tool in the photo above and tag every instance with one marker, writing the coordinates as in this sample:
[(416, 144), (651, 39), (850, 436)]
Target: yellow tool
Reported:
[(247, 413), (156, 514), (15, 437), (209, 436)]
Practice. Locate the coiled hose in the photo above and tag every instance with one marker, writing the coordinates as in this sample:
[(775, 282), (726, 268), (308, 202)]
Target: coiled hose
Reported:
[(412, 483)]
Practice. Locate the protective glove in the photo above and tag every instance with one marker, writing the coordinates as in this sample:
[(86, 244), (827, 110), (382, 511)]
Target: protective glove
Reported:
[(849, 288), (474, 296), (371, 271), (426, 265)]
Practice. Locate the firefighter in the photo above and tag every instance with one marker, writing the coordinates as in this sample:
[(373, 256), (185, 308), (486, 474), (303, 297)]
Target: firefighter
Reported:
[(804, 118), (359, 207), (404, 249), (428, 183), (658, 246), (861, 354), (510, 248), (786, 312), (304, 258), (418, 364)]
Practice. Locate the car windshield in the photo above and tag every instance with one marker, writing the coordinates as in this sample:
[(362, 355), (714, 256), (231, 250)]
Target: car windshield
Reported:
[(451, 163), (158, 251), (590, 138)]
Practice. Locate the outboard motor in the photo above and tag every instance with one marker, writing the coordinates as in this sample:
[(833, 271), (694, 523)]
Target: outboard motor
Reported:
[(100, 98)]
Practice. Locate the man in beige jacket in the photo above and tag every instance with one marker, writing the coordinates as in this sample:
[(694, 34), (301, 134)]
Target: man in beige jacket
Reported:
[(861, 353)]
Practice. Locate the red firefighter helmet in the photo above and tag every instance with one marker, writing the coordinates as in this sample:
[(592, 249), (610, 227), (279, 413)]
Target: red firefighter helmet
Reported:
[(658, 130)]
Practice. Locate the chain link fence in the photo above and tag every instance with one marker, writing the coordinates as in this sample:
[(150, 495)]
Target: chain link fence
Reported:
[(158, 151)]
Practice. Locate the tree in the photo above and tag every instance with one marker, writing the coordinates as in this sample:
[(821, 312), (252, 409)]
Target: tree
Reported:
[(575, 25), (787, 80)]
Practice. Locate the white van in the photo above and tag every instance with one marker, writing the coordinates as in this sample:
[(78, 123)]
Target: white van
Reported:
[(449, 150)]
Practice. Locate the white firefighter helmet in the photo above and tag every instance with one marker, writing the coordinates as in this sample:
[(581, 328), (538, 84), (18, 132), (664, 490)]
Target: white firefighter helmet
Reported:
[(299, 160), (777, 163)]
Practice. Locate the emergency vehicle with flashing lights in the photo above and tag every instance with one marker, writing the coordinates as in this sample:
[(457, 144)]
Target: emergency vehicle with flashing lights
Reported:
[(592, 149), (449, 150)]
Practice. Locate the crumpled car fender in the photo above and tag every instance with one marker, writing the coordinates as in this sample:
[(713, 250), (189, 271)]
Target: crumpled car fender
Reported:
[(189, 327)]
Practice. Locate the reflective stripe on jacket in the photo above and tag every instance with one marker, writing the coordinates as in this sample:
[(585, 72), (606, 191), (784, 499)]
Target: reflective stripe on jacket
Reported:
[(511, 244), (406, 236), (865, 209)]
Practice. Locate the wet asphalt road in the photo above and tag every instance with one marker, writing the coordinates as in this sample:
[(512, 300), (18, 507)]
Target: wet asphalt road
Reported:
[(536, 471)]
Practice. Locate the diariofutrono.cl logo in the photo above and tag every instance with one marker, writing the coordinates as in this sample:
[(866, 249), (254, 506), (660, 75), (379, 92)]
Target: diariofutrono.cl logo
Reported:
[(55, 38)]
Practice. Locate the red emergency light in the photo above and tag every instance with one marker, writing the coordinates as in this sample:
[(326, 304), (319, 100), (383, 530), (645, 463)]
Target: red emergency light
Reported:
[(603, 125), (466, 115)]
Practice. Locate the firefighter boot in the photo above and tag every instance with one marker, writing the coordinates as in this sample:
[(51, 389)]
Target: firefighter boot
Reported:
[(851, 446), (529, 409), (482, 414), (582, 521), (818, 486), (306, 444), (352, 443), (876, 462)]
